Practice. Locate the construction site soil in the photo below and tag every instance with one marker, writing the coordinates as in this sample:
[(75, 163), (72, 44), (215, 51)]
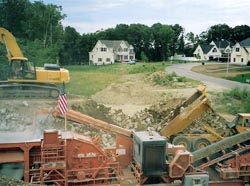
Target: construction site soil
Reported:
[(136, 104)]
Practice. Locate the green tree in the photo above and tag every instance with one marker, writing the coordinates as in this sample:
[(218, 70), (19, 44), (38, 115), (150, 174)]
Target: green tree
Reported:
[(139, 37), (218, 32), (144, 57), (240, 33), (70, 53), (14, 14), (162, 38)]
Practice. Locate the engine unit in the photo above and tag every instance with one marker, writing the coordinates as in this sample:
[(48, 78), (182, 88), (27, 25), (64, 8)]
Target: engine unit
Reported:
[(150, 152)]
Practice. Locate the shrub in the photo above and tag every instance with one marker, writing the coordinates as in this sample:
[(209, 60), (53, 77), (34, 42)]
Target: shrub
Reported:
[(239, 100)]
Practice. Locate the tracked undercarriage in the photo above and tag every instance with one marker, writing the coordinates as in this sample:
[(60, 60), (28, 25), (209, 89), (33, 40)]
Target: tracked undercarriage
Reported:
[(28, 90)]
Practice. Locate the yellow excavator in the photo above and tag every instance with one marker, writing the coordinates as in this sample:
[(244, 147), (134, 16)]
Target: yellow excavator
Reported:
[(23, 78)]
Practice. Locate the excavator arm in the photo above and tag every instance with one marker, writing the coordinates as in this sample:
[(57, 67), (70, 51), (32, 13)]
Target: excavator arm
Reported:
[(12, 48)]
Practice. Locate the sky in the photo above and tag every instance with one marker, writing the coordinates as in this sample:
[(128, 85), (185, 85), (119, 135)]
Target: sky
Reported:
[(89, 16)]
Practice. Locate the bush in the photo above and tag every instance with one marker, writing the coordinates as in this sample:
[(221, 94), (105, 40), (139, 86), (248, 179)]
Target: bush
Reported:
[(181, 79), (240, 94), (239, 100)]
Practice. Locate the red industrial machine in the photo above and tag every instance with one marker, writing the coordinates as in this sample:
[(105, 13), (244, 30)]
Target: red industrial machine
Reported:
[(139, 158)]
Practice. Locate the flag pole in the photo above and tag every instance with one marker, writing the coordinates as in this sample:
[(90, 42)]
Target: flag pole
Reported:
[(65, 121)]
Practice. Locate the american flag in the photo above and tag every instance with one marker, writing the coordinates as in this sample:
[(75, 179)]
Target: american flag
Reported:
[(62, 101)]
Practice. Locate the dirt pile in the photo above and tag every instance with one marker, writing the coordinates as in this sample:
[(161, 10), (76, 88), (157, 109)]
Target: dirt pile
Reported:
[(154, 118), (159, 115)]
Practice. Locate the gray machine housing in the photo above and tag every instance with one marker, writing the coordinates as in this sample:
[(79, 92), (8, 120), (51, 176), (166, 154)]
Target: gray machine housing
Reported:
[(150, 152)]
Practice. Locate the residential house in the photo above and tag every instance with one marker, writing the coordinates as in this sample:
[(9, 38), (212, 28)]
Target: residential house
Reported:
[(241, 53), (218, 50), (224, 46), (109, 51), (206, 52)]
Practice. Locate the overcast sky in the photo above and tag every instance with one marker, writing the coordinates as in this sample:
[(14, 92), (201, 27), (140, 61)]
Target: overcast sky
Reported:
[(196, 16)]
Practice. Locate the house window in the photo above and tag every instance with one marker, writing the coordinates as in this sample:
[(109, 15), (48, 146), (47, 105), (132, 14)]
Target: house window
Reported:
[(234, 60), (125, 49), (99, 59), (103, 49), (237, 49), (214, 50), (131, 51), (242, 60), (125, 57), (107, 59)]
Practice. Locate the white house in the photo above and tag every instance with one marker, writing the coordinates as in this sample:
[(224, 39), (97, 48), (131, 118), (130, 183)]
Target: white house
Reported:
[(215, 50), (241, 53), (206, 52), (108, 51)]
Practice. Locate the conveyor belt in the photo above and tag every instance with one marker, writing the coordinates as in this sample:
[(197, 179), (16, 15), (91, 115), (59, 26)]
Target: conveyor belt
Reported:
[(221, 145)]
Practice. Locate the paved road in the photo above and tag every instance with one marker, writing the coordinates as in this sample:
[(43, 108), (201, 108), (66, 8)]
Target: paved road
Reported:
[(211, 82)]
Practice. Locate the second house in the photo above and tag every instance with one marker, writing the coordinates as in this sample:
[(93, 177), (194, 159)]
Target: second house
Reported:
[(110, 51)]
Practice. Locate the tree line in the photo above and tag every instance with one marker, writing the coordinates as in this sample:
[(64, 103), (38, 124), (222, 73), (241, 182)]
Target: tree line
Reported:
[(43, 39)]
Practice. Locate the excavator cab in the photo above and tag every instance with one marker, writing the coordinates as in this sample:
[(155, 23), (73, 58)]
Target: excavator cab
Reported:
[(241, 123), (21, 68)]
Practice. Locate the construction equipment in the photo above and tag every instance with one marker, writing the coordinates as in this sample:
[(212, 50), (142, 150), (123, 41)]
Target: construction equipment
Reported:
[(139, 158), (22, 79), (144, 152), (240, 123), (192, 109)]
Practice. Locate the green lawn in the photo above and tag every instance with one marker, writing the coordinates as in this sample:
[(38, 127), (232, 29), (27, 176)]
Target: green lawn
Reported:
[(243, 78), (88, 80)]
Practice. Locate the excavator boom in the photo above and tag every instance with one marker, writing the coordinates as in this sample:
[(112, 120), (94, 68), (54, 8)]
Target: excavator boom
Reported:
[(13, 50)]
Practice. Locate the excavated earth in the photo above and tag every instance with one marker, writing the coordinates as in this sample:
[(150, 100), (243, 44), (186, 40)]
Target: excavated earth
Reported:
[(136, 104)]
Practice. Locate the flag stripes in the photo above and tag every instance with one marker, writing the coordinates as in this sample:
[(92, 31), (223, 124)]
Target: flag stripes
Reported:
[(62, 101)]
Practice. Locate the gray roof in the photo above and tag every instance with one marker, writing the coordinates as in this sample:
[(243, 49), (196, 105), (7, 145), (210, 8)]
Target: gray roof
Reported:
[(222, 43), (206, 48), (245, 42), (113, 43)]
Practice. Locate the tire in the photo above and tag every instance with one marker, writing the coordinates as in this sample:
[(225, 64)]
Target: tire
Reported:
[(200, 142), (182, 140)]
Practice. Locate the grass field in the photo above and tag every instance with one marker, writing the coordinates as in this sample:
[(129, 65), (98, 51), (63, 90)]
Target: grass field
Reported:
[(231, 72), (88, 80)]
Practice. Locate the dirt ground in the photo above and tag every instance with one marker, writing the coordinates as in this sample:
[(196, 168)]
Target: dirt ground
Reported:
[(137, 93)]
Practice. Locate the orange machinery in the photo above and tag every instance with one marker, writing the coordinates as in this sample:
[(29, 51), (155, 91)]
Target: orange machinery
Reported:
[(139, 158)]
